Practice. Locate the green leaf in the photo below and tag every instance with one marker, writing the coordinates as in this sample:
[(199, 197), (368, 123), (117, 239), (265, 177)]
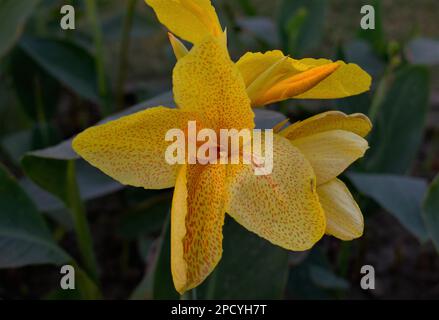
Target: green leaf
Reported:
[(92, 184), (301, 24), (399, 195), (355, 104), (250, 268), (157, 283), (49, 174), (376, 36), (301, 283), (145, 218), (71, 64), (37, 91), (24, 236), (327, 279), (13, 16), (163, 286), (16, 144), (399, 122), (58, 177), (294, 28), (48, 204), (431, 212), (247, 7), (12, 117)]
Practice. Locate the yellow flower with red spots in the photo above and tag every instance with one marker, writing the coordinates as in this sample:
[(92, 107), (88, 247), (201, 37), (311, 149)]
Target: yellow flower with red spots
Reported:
[(295, 204)]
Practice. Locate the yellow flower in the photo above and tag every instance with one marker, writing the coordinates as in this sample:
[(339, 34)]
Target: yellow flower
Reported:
[(270, 76), (294, 205), (331, 141), (282, 207)]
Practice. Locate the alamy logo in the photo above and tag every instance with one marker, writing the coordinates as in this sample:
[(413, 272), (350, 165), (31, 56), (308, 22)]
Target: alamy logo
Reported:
[(368, 20), (68, 20), (368, 280), (191, 146), (67, 281)]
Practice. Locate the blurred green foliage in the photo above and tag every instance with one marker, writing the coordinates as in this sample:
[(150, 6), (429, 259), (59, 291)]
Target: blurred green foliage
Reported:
[(55, 83)]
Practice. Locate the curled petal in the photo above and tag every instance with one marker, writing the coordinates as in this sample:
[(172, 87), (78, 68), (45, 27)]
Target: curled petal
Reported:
[(301, 79), (331, 152), (297, 84), (356, 123), (343, 216), (348, 80)]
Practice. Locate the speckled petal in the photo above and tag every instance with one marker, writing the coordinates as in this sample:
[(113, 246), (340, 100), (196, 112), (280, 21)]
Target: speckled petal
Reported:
[(131, 149), (357, 123), (191, 20), (348, 80), (328, 80), (253, 64), (343, 216), (282, 207), (207, 81), (331, 152), (197, 218), (295, 85)]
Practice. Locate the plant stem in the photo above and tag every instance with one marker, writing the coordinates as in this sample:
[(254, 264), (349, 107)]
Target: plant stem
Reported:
[(123, 53), (82, 228), (343, 258), (194, 293), (186, 296), (99, 53), (189, 295), (211, 286)]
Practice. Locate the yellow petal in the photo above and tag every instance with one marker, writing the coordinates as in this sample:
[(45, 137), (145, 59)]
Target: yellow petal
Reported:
[(252, 65), (321, 79), (206, 81), (266, 80), (197, 219), (131, 149), (348, 80), (296, 84), (343, 216), (278, 127), (191, 20), (281, 207), (357, 123), (331, 152), (177, 46)]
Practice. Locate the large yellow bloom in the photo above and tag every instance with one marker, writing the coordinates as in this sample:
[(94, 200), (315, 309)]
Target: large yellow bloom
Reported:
[(282, 207), (271, 76), (330, 141)]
